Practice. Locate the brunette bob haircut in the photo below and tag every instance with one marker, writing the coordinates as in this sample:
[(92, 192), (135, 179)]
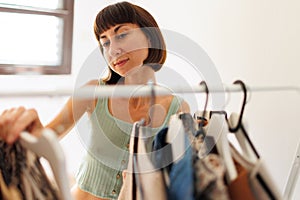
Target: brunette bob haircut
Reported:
[(125, 12)]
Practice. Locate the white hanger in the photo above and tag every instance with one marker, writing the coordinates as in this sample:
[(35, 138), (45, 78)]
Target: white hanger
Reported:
[(218, 129), (175, 137), (247, 151), (48, 146), (251, 161)]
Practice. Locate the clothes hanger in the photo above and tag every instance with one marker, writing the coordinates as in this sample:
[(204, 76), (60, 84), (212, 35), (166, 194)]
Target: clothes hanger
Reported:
[(48, 146), (241, 134), (129, 189), (201, 118), (218, 123), (246, 150), (259, 171), (175, 137), (217, 129), (135, 179)]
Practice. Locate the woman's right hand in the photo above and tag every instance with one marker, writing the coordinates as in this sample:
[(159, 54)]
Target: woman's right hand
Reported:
[(15, 120)]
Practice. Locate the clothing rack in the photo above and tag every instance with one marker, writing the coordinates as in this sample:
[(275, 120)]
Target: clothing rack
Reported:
[(137, 90), (147, 90)]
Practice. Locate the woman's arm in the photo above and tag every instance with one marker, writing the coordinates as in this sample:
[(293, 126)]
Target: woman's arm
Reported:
[(71, 113), (15, 120)]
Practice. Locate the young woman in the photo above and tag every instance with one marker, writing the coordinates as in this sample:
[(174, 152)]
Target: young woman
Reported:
[(134, 49)]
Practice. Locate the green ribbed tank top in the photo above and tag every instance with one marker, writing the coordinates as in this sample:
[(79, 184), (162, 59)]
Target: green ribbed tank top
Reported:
[(100, 172)]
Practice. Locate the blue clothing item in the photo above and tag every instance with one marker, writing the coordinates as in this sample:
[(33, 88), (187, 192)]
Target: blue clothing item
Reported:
[(181, 174)]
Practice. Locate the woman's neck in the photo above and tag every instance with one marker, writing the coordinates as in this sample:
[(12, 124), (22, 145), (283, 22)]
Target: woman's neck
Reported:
[(141, 75)]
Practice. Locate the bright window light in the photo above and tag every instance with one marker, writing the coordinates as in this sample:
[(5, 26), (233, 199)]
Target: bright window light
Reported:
[(30, 39), (36, 36), (51, 4)]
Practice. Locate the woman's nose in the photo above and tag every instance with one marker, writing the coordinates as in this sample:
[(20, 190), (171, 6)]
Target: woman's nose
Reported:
[(115, 49)]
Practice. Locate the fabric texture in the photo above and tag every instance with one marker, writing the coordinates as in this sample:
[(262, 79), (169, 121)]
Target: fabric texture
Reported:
[(23, 176), (8, 192), (250, 178), (180, 173), (100, 172), (141, 173), (240, 187), (208, 168)]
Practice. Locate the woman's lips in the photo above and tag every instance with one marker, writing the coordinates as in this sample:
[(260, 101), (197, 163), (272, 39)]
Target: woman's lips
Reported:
[(120, 63)]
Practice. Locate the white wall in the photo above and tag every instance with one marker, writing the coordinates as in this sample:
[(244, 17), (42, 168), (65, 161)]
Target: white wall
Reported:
[(255, 41)]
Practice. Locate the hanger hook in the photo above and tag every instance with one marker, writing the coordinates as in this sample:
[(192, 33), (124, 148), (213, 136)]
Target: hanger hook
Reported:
[(242, 84), (202, 123)]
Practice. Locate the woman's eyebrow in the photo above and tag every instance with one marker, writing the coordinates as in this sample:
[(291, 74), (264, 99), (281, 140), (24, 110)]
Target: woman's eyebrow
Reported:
[(115, 30)]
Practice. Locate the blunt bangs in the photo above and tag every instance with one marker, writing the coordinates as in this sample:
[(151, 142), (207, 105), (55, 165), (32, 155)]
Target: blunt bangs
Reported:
[(113, 15)]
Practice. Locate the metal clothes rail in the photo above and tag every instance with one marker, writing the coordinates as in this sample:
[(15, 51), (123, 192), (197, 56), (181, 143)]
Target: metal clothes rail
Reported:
[(137, 90)]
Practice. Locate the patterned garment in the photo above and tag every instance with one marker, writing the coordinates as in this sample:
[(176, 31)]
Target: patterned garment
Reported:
[(22, 173), (208, 167), (209, 178)]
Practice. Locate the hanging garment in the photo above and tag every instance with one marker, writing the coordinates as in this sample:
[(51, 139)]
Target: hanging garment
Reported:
[(209, 169), (240, 188), (142, 180), (250, 167), (253, 179), (21, 170), (8, 192), (209, 178), (180, 174)]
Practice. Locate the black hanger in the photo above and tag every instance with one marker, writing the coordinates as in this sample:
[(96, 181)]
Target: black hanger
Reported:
[(202, 118), (234, 129), (208, 140), (240, 124), (206, 100)]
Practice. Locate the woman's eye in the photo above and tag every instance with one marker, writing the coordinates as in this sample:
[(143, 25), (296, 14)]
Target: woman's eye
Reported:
[(105, 44), (121, 35)]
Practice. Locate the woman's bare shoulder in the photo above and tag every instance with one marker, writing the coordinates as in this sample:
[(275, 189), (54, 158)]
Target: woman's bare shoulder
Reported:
[(184, 107), (167, 100), (92, 82)]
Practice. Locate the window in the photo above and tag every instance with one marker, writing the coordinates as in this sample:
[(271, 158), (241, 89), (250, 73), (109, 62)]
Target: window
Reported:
[(36, 36)]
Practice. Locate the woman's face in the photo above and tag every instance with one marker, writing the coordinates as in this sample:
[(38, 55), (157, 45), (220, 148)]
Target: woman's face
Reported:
[(125, 47)]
